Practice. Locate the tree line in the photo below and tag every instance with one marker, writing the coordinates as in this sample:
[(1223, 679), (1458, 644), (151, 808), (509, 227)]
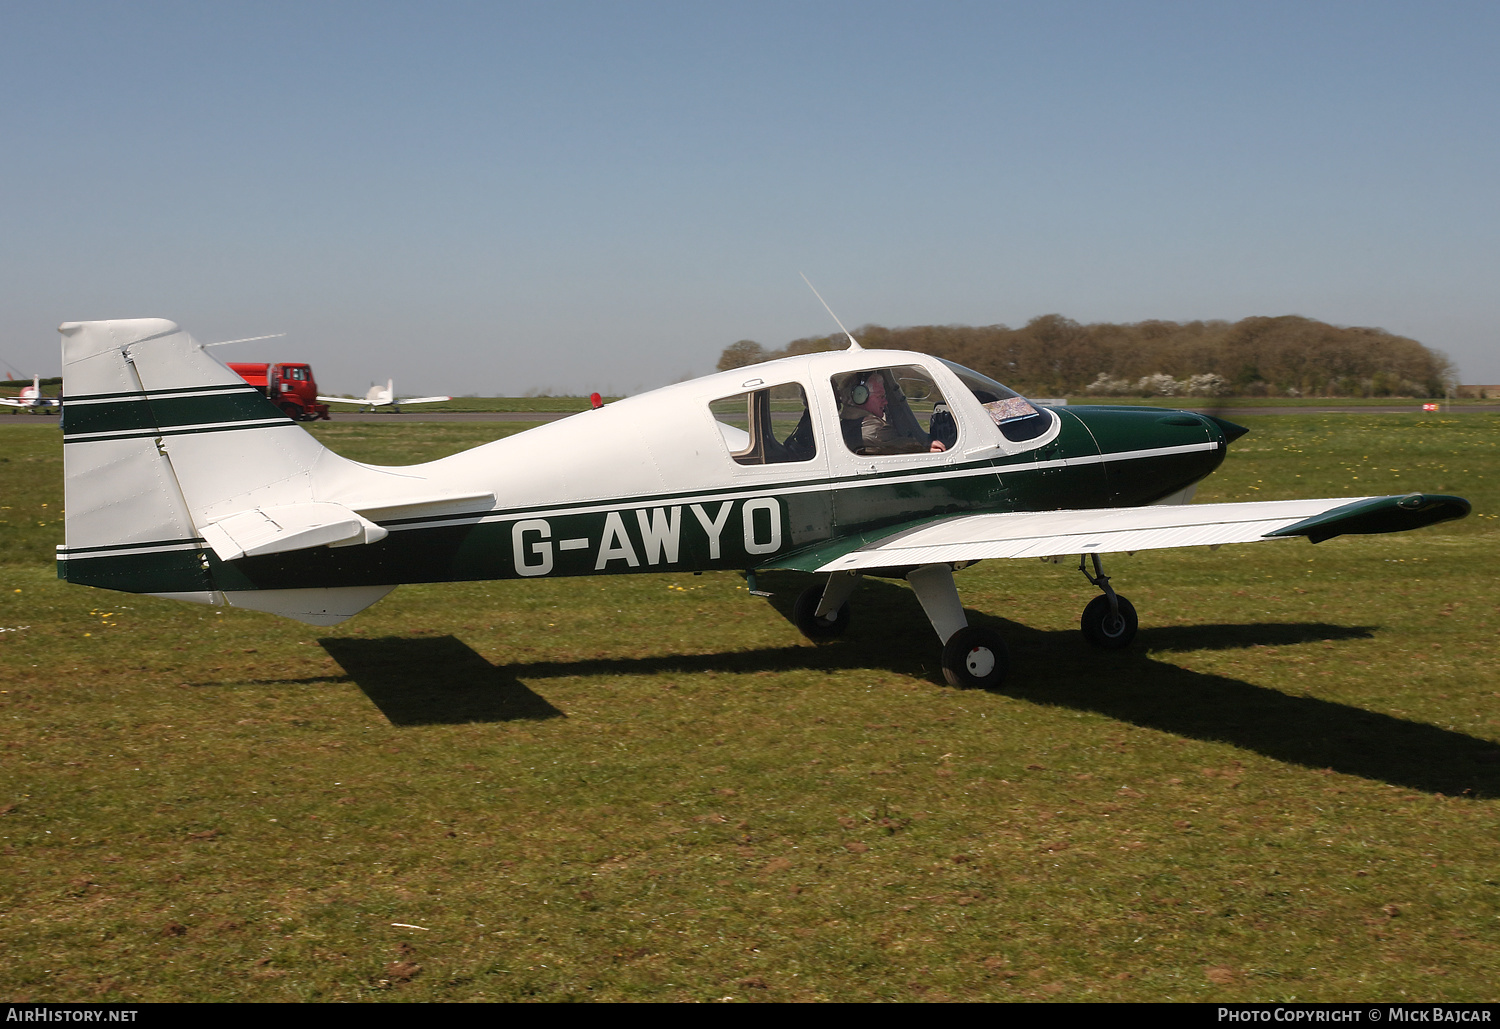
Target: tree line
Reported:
[(1262, 356)]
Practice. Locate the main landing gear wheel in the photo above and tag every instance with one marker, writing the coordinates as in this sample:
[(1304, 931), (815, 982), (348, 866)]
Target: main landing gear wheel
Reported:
[(813, 627), (1106, 630), (975, 658)]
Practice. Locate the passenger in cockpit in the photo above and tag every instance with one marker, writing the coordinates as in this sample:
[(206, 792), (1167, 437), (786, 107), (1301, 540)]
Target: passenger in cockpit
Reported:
[(885, 421)]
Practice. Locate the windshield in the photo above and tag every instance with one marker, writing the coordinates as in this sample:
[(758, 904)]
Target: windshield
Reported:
[(1017, 418)]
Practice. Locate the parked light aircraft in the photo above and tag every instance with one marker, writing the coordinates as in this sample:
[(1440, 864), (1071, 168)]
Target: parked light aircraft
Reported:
[(31, 399), (183, 481), (383, 397)]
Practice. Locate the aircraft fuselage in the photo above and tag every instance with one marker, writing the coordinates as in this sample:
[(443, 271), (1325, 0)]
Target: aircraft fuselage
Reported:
[(651, 484)]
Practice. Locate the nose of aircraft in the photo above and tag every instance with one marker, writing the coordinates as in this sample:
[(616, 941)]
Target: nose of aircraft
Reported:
[(1135, 428), (1230, 430), (1150, 453)]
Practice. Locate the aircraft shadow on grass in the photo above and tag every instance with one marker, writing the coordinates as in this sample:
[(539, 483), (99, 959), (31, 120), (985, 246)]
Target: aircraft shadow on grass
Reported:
[(435, 680), (442, 680)]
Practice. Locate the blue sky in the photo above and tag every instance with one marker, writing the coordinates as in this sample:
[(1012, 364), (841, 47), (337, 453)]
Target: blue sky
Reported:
[(492, 197)]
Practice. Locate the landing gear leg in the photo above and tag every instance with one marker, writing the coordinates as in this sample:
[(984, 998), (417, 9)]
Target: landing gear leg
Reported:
[(822, 612), (1109, 622), (973, 657)]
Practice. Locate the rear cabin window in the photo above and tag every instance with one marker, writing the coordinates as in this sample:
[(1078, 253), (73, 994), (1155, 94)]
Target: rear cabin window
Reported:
[(771, 425), (893, 411)]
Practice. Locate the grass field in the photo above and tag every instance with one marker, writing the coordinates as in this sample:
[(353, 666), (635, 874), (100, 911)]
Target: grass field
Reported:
[(652, 788)]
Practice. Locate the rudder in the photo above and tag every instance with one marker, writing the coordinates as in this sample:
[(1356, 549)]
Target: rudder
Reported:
[(160, 443)]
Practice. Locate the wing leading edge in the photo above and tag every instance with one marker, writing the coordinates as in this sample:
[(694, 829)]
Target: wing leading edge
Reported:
[(1118, 529)]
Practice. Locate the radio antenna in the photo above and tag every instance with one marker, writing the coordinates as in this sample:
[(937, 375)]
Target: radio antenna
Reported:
[(853, 343), (247, 339)]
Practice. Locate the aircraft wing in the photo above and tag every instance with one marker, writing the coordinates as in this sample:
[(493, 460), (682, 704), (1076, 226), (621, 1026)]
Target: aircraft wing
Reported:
[(1119, 529), (366, 400), (11, 402)]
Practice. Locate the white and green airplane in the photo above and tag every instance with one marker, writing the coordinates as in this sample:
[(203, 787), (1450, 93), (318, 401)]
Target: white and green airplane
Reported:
[(183, 481)]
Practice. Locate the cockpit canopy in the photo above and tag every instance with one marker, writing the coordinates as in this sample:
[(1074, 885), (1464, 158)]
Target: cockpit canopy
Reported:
[(881, 410)]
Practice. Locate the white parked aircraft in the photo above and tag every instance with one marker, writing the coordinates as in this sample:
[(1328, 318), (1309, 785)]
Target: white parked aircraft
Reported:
[(383, 397), (183, 481), (31, 399)]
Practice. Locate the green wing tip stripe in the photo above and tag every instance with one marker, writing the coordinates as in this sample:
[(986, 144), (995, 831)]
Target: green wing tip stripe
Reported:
[(1380, 514)]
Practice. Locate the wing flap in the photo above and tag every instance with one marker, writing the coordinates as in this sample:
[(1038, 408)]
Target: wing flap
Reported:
[(1113, 530)]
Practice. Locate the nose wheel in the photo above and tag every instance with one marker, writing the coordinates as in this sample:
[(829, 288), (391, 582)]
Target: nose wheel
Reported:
[(1109, 622), (1106, 629)]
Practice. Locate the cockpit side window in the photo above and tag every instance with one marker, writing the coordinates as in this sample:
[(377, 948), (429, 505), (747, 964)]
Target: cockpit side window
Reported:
[(1019, 419), (893, 411), (766, 426)]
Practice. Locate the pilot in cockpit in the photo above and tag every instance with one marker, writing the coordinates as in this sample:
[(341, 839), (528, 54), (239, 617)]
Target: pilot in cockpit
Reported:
[(876, 418)]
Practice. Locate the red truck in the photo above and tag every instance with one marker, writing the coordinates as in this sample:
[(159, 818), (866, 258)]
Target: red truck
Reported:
[(288, 386)]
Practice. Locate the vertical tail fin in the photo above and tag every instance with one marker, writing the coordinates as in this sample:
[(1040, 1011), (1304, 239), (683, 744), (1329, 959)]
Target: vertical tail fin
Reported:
[(128, 525), (160, 443)]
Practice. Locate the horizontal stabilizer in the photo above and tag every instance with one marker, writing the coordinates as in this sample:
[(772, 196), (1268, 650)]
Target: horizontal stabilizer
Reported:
[(272, 530), (422, 507), (311, 606), (328, 606)]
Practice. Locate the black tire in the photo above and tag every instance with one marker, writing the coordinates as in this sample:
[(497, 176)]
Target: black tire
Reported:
[(1106, 631), (975, 658), (813, 627)]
